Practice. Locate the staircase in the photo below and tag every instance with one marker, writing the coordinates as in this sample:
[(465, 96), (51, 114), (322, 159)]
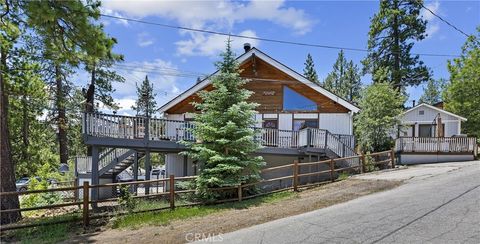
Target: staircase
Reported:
[(112, 161)]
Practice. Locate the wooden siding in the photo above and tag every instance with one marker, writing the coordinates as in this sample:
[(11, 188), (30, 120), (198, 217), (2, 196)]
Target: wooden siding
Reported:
[(267, 83)]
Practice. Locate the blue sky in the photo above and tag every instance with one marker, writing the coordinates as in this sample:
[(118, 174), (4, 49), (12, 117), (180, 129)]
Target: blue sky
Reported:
[(172, 58)]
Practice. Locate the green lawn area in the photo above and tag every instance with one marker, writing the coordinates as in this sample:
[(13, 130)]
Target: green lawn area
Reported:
[(60, 232), (164, 217)]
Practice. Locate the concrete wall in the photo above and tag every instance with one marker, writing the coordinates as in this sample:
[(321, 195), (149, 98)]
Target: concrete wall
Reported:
[(432, 158)]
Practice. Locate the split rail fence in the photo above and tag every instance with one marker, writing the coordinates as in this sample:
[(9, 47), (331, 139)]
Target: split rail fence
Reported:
[(326, 171)]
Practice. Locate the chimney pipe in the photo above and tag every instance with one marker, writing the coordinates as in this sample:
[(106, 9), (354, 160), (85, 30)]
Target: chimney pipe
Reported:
[(413, 103), (247, 47)]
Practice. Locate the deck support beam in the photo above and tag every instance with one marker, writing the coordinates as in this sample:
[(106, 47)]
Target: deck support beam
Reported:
[(135, 169), (147, 170), (95, 176)]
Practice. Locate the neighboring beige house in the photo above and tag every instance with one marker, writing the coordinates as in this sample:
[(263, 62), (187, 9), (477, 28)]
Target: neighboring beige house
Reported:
[(429, 134), (423, 119)]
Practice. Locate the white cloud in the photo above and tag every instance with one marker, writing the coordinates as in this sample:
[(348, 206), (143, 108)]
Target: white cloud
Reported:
[(433, 26), (162, 74), (210, 45), (106, 21), (144, 39), (214, 15)]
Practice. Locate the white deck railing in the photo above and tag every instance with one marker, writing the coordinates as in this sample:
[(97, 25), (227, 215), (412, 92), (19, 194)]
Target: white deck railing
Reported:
[(436, 144), (129, 127)]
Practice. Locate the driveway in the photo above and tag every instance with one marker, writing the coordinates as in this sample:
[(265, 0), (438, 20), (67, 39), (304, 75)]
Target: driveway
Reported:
[(440, 203)]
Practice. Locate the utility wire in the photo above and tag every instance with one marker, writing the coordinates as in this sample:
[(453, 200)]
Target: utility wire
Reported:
[(258, 38), (442, 19)]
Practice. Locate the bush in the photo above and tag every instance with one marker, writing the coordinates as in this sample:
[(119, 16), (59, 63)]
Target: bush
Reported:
[(126, 201)]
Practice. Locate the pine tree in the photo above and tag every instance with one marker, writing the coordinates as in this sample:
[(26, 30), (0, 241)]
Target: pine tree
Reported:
[(224, 134), (462, 93), (393, 31), (432, 93), (145, 104), (309, 70), (353, 84), (344, 79), (381, 104)]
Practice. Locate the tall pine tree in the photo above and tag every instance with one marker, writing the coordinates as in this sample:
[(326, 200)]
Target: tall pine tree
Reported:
[(393, 31), (309, 70), (145, 104), (344, 79), (432, 93), (224, 134)]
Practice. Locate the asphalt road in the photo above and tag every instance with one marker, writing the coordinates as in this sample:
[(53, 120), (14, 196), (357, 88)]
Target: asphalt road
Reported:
[(438, 204)]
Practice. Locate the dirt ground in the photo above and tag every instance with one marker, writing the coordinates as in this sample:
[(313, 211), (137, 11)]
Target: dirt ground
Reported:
[(234, 219)]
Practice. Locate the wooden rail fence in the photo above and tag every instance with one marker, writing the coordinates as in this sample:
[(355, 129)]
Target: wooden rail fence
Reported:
[(386, 158)]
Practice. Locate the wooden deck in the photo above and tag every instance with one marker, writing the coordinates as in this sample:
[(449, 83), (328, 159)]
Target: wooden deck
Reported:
[(438, 145), (164, 135)]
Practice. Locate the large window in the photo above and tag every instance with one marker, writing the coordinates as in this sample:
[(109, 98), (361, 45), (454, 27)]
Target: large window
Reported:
[(294, 101)]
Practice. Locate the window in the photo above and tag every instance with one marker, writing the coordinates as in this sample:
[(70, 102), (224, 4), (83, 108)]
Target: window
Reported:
[(292, 100), (270, 123), (299, 124), (425, 130), (421, 112)]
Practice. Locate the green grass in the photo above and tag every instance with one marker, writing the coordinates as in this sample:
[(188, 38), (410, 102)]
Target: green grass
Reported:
[(46, 233), (136, 220)]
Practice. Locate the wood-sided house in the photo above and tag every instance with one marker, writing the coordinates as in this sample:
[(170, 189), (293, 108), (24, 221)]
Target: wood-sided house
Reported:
[(288, 102), (296, 120)]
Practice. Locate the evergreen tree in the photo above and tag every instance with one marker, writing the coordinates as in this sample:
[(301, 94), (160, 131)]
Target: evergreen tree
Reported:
[(344, 80), (393, 31), (309, 70), (9, 34), (224, 134), (461, 95), (68, 30), (145, 104), (381, 104), (432, 93)]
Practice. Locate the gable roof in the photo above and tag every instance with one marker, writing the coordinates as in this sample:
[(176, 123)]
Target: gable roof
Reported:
[(242, 58), (434, 108)]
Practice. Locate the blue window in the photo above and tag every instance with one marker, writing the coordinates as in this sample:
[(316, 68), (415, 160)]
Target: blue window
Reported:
[(292, 100)]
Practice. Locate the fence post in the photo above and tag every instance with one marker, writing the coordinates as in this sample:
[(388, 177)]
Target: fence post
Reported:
[(392, 158), (239, 193), (295, 175), (362, 161), (331, 170), (86, 193), (172, 192), (75, 193)]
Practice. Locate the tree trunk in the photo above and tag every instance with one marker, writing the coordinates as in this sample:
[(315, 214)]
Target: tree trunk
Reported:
[(62, 118), (396, 54), (25, 127), (7, 168)]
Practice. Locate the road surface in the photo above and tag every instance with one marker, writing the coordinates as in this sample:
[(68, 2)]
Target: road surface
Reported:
[(439, 203)]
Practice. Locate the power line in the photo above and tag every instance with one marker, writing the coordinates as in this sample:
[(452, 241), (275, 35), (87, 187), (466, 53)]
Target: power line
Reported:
[(258, 38), (442, 19)]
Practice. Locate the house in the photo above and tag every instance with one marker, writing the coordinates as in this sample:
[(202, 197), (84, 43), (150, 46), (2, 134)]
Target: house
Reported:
[(429, 134), (287, 102), (423, 120), (296, 120)]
